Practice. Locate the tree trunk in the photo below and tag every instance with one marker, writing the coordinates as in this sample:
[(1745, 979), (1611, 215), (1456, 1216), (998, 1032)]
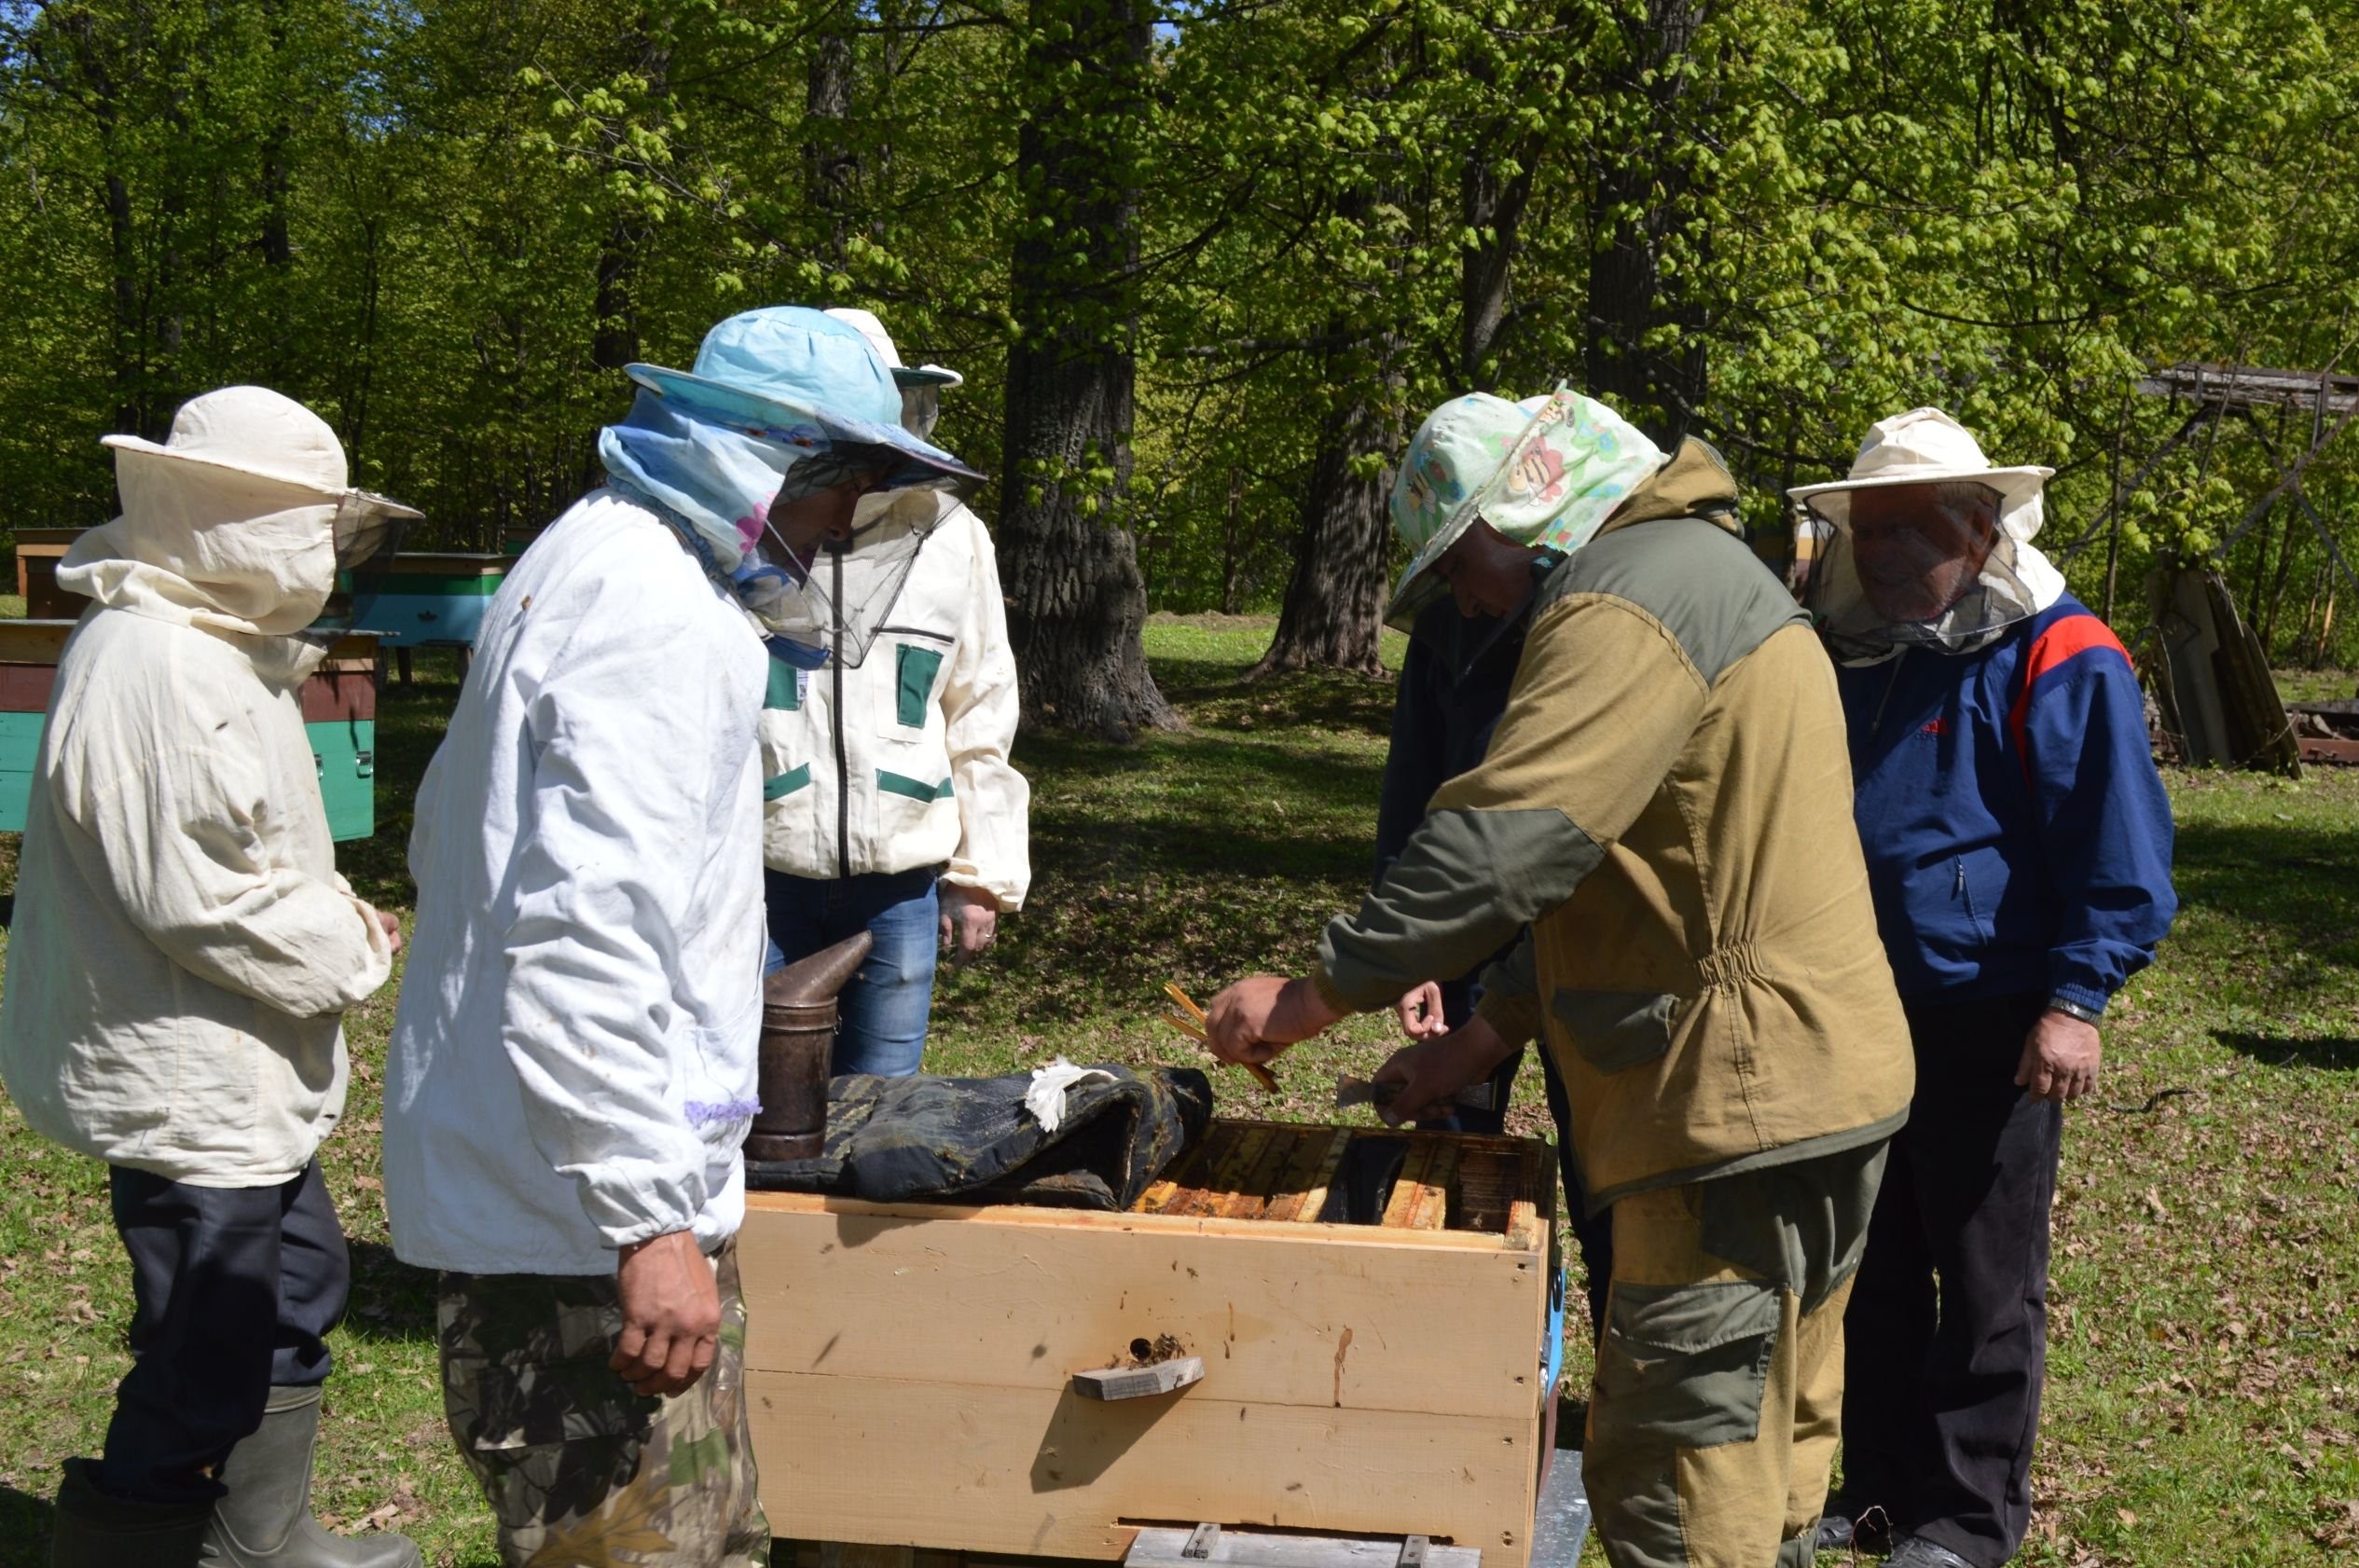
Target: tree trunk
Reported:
[(1491, 209), (1076, 601), (831, 166), (1333, 614), (1638, 210)]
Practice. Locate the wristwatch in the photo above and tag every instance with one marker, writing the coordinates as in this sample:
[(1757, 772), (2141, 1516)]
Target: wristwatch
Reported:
[(2070, 1009)]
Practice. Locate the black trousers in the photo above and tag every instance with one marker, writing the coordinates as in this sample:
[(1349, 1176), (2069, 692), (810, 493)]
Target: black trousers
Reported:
[(1946, 1338), (235, 1290)]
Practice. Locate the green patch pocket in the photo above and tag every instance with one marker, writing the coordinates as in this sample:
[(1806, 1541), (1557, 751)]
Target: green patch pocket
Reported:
[(1614, 1030), (786, 783), (914, 684), (893, 783), (1682, 1365)]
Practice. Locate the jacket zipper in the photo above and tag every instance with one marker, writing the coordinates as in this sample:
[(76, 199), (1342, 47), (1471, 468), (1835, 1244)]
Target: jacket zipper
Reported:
[(836, 715), (1890, 681)]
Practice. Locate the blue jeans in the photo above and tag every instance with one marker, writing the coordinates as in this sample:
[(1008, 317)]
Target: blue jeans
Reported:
[(887, 1004)]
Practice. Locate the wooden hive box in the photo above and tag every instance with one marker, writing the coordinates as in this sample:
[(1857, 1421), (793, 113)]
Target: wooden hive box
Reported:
[(38, 552), (428, 598), (339, 716), (909, 1366)]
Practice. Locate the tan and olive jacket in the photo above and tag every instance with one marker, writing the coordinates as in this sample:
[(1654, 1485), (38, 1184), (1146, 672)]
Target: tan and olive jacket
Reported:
[(1666, 804)]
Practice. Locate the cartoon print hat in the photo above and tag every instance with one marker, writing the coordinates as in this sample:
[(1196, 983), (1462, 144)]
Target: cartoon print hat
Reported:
[(1546, 472)]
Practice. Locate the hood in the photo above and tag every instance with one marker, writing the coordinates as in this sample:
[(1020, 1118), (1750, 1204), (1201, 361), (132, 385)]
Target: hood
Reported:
[(208, 547), (1694, 482)]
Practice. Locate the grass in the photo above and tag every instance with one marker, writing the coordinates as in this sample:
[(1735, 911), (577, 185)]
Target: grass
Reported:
[(2205, 1359)]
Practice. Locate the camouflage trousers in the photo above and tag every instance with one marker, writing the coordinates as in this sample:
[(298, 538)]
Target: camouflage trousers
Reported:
[(580, 1471)]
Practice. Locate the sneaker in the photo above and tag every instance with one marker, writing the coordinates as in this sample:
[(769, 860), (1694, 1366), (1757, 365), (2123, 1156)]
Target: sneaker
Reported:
[(1917, 1552)]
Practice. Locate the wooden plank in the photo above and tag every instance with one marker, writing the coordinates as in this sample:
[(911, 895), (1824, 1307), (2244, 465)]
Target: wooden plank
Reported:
[(911, 1462), (1167, 1546), (34, 642), (1410, 1186), (1267, 1307), (1315, 1151), (26, 688), (1432, 1206)]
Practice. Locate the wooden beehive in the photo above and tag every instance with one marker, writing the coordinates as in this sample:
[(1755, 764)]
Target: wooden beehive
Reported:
[(339, 716), (909, 1366), (428, 599)]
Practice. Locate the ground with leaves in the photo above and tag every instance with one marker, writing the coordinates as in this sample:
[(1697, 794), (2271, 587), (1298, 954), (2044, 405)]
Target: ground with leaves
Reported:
[(2204, 1402)]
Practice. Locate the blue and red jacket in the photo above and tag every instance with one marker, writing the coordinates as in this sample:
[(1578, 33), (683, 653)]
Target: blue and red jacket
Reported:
[(2018, 836)]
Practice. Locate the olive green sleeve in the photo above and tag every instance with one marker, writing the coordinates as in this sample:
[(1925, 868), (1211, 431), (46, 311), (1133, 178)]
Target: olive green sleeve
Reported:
[(1604, 702), (1510, 1001)]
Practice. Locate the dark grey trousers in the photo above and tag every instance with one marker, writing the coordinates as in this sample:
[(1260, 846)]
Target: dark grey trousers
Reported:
[(1946, 1339), (236, 1289)]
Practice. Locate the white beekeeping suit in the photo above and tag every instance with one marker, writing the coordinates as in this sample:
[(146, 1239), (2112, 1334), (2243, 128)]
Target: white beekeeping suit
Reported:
[(182, 946)]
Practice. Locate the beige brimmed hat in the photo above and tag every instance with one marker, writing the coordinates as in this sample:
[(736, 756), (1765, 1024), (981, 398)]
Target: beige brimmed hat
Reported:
[(264, 437), (868, 326), (1924, 446)]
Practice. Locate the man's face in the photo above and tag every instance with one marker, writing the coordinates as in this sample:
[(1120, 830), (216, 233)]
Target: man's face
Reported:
[(1488, 574), (1919, 551), (822, 516)]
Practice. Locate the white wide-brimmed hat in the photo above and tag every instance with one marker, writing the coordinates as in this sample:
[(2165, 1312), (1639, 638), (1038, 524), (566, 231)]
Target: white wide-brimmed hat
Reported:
[(1921, 446), (264, 438), (868, 326)]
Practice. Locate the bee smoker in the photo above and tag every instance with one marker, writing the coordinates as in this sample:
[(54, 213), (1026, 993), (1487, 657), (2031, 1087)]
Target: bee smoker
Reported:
[(798, 1033)]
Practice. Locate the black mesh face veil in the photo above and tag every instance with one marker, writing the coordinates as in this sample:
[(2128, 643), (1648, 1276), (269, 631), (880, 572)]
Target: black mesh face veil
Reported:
[(366, 527), (849, 590), (1939, 571)]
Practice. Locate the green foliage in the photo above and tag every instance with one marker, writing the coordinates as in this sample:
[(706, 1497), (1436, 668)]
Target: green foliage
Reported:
[(447, 223)]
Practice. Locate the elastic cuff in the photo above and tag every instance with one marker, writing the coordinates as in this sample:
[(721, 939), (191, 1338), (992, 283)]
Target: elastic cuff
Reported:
[(2088, 997), (1325, 985)]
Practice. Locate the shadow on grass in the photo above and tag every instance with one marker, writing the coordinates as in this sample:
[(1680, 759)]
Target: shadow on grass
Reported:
[(24, 1528), (2294, 879), (2323, 1053), (392, 1300)]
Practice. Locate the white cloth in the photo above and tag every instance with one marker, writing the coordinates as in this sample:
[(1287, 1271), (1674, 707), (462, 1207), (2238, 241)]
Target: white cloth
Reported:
[(931, 712), (182, 947), (1045, 1097), (573, 1060)]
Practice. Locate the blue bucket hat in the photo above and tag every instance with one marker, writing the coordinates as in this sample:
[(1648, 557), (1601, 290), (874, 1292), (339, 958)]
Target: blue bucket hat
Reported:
[(789, 374)]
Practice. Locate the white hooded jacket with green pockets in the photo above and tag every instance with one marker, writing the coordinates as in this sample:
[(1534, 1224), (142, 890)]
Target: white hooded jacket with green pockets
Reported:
[(902, 762)]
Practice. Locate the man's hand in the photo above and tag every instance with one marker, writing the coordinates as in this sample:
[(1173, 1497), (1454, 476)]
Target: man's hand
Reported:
[(1262, 1014), (969, 921), (1420, 1012), (1432, 1070), (390, 923), (2060, 1058), (671, 1314)]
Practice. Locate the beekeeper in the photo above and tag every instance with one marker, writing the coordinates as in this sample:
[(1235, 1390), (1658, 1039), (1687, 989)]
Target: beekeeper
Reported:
[(1662, 804), (2019, 847), (890, 804), (181, 954), (573, 1067)]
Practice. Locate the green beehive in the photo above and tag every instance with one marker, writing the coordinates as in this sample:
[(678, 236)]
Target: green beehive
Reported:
[(340, 714)]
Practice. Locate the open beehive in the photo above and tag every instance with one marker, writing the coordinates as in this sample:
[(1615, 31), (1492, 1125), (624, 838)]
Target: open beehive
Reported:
[(910, 1366)]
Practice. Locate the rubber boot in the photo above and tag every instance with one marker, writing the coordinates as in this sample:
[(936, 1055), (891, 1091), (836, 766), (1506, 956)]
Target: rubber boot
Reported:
[(266, 1521), (93, 1530)]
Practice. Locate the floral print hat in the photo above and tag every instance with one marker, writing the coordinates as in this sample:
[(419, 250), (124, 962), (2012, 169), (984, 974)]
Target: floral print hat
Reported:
[(1546, 472)]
